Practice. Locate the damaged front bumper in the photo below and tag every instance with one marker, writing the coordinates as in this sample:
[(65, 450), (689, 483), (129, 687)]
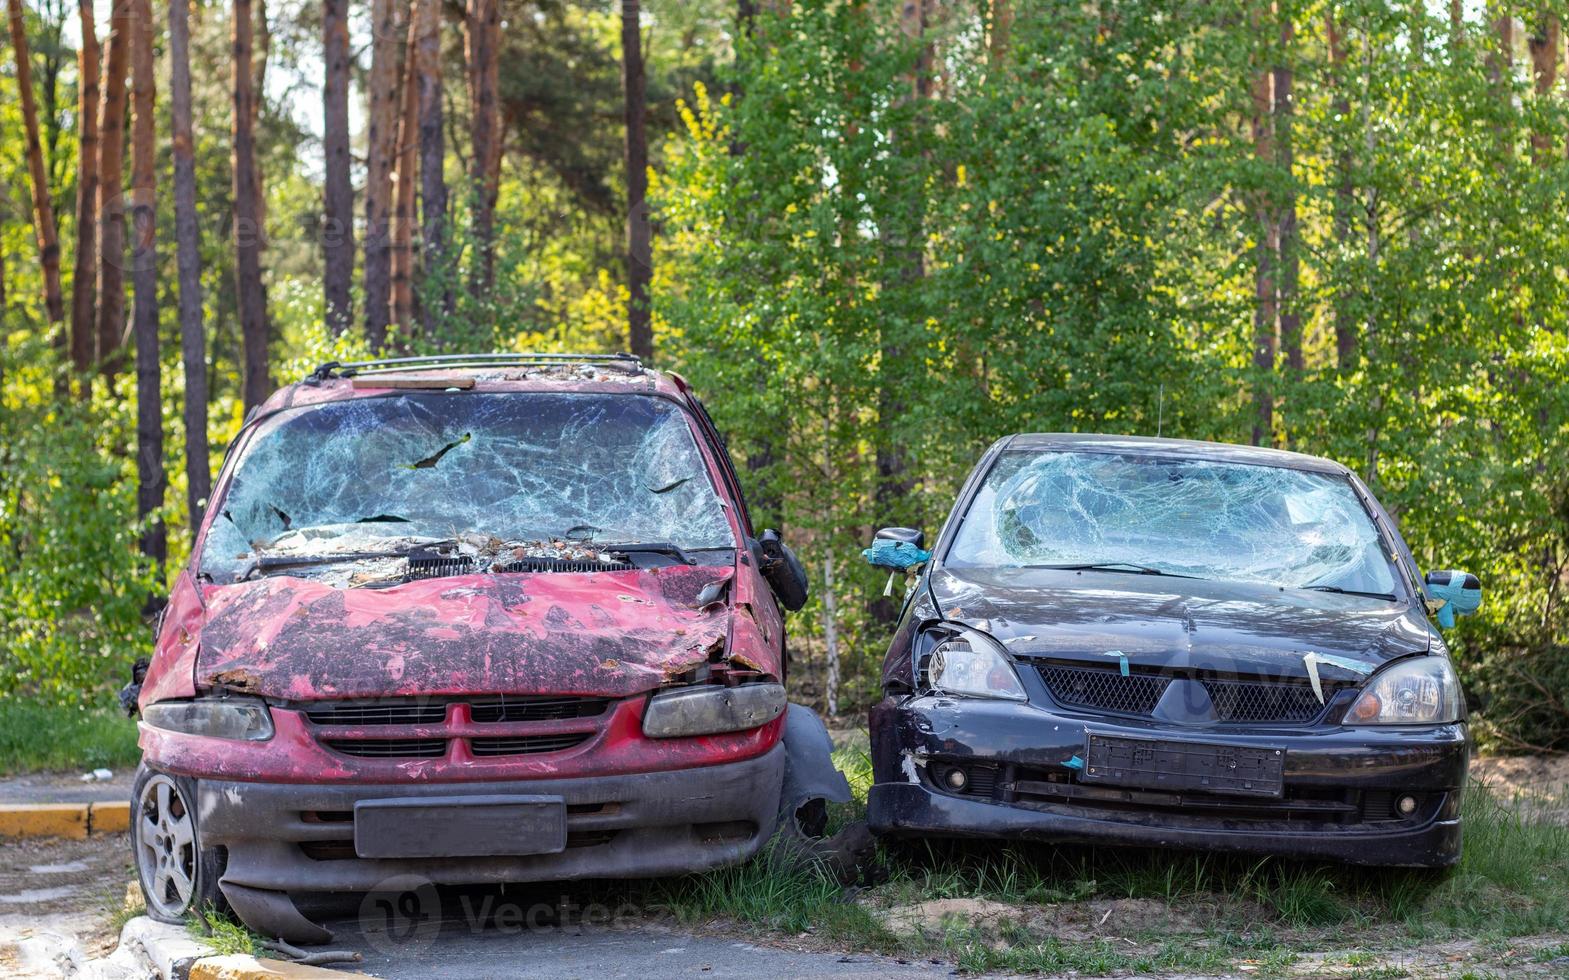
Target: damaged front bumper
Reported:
[(1341, 796), (284, 837)]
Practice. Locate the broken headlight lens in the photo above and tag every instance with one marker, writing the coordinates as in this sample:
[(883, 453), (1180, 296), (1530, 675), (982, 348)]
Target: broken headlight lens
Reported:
[(246, 719), (708, 709), (1422, 691), (973, 664)]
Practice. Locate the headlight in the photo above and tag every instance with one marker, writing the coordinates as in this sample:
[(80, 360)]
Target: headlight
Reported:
[(971, 663), (1420, 691), (708, 709), (238, 718)]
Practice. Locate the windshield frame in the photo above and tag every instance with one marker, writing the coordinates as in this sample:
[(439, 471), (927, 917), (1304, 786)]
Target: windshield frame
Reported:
[(1402, 592), (235, 453)]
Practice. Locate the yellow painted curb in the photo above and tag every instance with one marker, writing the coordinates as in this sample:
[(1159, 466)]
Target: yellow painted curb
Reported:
[(242, 967), (43, 820), (109, 817)]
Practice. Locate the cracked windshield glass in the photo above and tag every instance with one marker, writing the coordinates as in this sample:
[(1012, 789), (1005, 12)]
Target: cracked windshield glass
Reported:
[(1226, 521), (518, 475)]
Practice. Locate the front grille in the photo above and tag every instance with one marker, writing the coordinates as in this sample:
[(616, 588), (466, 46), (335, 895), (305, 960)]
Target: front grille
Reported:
[(499, 709), (411, 711), (1265, 700), (1236, 700), (390, 748), (526, 744), (1104, 689)]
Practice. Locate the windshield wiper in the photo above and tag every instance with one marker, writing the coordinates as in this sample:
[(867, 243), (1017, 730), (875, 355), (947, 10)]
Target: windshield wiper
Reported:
[(650, 548), (1112, 566), (1339, 591), (268, 563)]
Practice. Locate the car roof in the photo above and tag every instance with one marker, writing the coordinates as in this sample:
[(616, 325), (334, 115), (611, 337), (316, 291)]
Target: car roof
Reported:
[(1220, 452), (595, 375)]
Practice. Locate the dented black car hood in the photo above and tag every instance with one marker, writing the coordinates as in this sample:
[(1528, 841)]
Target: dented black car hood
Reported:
[(1166, 622)]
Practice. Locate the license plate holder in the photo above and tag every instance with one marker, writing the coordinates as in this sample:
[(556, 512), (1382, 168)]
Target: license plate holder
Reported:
[(1181, 766), (460, 826)]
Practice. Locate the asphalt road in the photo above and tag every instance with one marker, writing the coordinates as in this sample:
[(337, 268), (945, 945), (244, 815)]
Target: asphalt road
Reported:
[(602, 952)]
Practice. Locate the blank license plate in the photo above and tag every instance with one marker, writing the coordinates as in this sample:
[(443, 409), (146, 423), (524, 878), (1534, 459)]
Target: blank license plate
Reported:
[(1176, 766), (463, 826)]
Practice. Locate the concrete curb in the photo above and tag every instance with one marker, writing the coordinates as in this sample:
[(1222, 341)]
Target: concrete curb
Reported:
[(70, 820), (241, 967)]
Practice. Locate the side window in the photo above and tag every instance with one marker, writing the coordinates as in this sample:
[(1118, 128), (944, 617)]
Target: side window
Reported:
[(732, 482)]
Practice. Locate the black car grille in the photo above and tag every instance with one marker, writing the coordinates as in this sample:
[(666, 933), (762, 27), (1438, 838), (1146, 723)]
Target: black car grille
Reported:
[(1103, 689), (389, 748), (526, 744), (1264, 701), (1236, 700), (363, 729)]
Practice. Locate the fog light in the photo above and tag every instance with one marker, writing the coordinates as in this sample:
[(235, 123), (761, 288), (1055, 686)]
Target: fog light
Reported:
[(1406, 805), (956, 780)]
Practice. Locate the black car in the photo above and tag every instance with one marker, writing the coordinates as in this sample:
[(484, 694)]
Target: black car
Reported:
[(1167, 643)]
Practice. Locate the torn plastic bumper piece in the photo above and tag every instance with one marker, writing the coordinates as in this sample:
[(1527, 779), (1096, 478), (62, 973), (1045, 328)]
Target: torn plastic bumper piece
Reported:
[(955, 767)]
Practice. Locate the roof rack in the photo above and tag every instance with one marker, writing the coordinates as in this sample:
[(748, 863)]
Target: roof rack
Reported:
[(349, 369)]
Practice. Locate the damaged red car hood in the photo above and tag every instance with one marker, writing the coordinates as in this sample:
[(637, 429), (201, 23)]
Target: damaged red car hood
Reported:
[(610, 634)]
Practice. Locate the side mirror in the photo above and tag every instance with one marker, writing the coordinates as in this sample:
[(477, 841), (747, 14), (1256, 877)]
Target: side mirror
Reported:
[(897, 548), (782, 570), (1455, 593)]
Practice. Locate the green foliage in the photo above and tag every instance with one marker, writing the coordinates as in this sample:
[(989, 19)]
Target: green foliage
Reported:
[(1064, 240), (41, 736)]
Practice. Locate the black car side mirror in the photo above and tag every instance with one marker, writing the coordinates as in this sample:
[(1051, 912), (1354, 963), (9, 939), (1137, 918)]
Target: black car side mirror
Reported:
[(897, 548), (782, 570)]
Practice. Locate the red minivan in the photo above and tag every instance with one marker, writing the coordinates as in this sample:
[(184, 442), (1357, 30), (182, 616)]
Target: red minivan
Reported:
[(477, 618)]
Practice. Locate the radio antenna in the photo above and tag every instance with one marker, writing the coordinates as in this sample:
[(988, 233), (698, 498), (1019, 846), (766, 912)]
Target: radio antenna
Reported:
[(1160, 411)]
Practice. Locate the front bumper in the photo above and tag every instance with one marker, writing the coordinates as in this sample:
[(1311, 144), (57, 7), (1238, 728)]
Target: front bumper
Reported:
[(300, 837), (1339, 785)]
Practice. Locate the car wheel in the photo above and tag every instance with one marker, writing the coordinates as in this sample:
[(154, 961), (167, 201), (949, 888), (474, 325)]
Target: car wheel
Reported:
[(176, 873)]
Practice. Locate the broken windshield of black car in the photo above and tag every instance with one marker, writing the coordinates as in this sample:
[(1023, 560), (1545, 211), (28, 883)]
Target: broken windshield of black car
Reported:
[(549, 472), (1199, 518)]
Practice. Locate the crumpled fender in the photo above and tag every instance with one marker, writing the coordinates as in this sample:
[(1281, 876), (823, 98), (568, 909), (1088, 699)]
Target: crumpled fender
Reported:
[(809, 773)]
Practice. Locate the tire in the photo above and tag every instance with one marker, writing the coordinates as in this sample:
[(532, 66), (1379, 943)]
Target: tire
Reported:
[(177, 874)]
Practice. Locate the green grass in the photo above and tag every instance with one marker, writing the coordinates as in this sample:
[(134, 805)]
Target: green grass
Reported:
[(37, 737), (1224, 911), (224, 935)]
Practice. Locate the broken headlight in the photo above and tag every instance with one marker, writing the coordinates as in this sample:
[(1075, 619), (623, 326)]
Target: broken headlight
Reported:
[(1422, 691), (246, 719), (970, 663), (708, 709)]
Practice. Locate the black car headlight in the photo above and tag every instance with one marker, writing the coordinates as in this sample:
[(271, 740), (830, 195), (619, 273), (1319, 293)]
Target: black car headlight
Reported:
[(1420, 691), (709, 709), (245, 719), (970, 663)]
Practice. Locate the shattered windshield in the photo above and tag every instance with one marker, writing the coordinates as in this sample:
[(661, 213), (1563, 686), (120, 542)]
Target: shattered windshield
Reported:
[(1204, 519), (517, 467)]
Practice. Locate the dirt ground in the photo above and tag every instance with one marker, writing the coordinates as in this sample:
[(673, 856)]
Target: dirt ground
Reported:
[(70, 888)]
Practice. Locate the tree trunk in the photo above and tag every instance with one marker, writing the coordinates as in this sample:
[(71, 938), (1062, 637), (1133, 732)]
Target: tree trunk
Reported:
[(43, 211), (84, 277), (483, 25), (1500, 71), (830, 633), (1001, 26), (1345, 202), (250, 294), (1544, 44), (381, 141), (337, 232), (144, 273), (402, 252), (1265, 252), (639, 239), (1290, 316), (432, 157), (111, 193), (193, 338)]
